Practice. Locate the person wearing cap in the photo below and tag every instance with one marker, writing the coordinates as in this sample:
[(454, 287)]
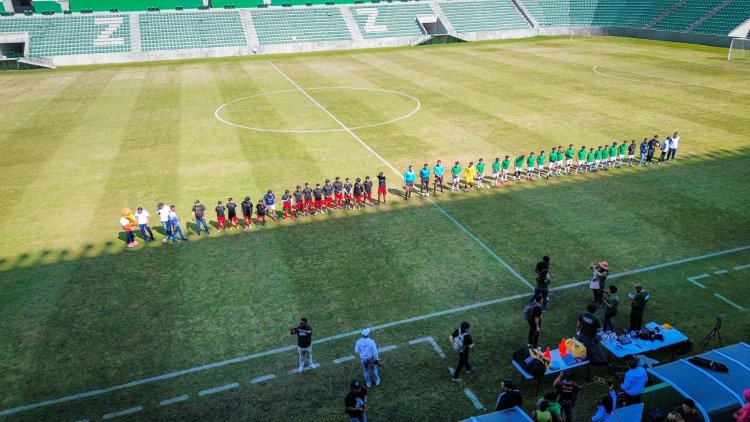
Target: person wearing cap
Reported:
[(199, 213), (463, 355), (743, 415), (368, 355), (637, 307), (355, 403), (143, 224), (686, 413), (163, 212), (598, 281)]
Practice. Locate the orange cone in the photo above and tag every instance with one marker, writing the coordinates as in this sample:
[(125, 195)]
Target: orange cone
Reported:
[(562, 348), (547, 354)]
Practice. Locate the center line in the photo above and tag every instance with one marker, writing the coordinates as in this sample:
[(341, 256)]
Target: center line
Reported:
[(448, 216)]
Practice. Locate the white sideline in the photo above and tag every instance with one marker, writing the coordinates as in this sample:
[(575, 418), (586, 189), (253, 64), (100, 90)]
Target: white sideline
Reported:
[(125, 412), (694, 279), (246, 358), (173, 400), (430, 340), (218, 389), (739, 307), (358, 139), (473, 397)]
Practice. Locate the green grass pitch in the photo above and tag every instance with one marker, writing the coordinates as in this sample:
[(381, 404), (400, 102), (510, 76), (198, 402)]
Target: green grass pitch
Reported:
[(80, 313)]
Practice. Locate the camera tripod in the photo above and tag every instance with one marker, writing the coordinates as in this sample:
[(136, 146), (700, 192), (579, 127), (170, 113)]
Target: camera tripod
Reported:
[(715, 332)]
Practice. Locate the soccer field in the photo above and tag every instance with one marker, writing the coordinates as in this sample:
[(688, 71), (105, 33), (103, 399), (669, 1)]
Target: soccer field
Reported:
[(89, 328)]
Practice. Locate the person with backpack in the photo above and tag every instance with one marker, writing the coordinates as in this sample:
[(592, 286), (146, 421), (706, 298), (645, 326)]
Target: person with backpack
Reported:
[(543, 281), (532, 313), (463, 344), (567, 391)]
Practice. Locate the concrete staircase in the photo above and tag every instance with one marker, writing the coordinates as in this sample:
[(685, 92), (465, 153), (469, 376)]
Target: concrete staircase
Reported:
[(664, 14), (250, 33), (443, 19), (708, 15), (135, 33), (356, 34)]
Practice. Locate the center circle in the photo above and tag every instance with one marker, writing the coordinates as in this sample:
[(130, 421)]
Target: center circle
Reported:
[(292, 111)]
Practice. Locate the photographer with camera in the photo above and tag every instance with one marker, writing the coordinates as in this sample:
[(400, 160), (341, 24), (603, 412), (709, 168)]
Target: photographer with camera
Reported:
[(304, 344), (599, 275), (637, 307), (368, 355)]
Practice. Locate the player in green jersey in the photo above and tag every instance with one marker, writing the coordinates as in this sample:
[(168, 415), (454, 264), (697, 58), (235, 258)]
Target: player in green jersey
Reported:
[(530, 163), (569, 153), (480, 173), (591, 160), (495, 171), (540, 164), (518, 165), (621, 153), (504, 172), (597, 158), (604, 164), (560, 157), (612, 154), (552, 162), (581, 160), (456, 174)]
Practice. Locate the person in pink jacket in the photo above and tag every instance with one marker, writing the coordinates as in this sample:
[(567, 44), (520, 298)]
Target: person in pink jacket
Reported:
[(743, 415)]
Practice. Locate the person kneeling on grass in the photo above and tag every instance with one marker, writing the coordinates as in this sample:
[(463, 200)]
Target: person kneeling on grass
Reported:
[(686, 413)]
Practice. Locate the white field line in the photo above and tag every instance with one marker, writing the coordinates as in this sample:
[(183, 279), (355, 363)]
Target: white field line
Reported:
[(636, 80), (284, 349), (694, 279), (173, 400), (218, 389), (721, 272), (739, 308), (474, 400), (430, 340), (263, 378), (741, 267), (122, 413), (344, 359), (386, 348), (358, 139)]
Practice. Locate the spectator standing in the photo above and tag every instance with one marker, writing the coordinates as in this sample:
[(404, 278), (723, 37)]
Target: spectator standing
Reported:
[(509, 397), (142, 217), (686, 413), (652, 145), (587, 328), (543, 280), (221, 219), (604, 410), (637, 307), (599, 275), (533, 315), (355, 403), (174, 221), (644, 152), (304, 344), (462, 343), (611, 301), (634, 383), (567, 390), (673, 146), (199, 214), (163, 212), (368, 356)]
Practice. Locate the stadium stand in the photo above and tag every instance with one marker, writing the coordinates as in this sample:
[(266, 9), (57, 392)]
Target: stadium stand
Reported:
[(297, 25), (639, 13), (132, 5), (390, 20), (77, 34), (181, 30), (684, 15), (726, 19), (483, 15)]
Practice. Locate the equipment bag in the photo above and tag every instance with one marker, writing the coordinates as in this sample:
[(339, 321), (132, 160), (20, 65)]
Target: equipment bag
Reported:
[(576, 348), (458, 342), (531, 364)]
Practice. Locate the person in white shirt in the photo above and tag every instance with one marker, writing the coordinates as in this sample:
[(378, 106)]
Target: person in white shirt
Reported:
[(142, 216), (673, 146), (174, 223), (664, 150), (164, 218), (368, 354)]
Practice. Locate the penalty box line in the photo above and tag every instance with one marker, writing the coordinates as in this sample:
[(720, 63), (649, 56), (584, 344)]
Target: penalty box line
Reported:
[(367, 147), (246, 358)]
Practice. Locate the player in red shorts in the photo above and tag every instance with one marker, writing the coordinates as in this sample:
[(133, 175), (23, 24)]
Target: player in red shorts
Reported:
[(299, 203), (309, 205), (260, 212), (318, 195), (328, 197), (368, 189), (286, 199), (348, 194), (358, 191), (381, 187), (338, 189)]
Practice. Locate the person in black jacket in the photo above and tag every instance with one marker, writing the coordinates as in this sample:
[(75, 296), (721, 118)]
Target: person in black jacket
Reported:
[(509, 397), (247, 212)]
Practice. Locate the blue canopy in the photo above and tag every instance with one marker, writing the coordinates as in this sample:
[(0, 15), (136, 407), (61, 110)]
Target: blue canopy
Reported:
[(509, 415)]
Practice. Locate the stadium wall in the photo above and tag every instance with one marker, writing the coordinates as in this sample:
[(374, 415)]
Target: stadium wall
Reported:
[(84, 59)]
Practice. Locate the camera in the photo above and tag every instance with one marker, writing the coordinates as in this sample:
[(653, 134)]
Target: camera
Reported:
[(293, 330)]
